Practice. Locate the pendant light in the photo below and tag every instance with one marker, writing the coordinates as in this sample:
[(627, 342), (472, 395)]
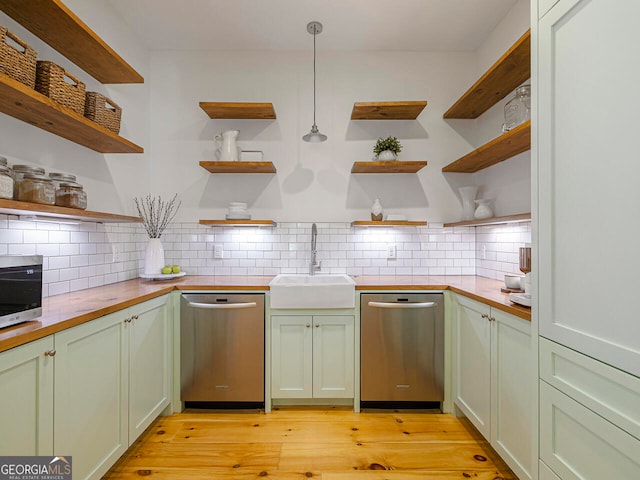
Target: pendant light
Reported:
[(314, 136)]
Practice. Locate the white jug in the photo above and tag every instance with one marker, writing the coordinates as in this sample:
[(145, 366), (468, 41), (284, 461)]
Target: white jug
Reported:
[(228, 151)]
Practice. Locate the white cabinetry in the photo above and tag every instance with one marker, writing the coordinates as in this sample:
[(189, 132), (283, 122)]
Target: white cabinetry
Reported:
[(494, 379), (111, 382), (586, 153), (589, 169), (312, 356), (26, 402), (91, 399)]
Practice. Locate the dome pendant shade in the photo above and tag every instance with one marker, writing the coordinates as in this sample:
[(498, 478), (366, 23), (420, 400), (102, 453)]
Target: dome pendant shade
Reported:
[(314, 136)]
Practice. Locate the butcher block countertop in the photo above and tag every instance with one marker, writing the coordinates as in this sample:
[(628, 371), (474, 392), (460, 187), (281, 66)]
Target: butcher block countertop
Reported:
[(65, 311)]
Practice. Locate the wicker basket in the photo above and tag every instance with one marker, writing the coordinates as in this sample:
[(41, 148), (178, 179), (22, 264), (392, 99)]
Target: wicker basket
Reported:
[(50, 81), (20, 65), (103, 111)]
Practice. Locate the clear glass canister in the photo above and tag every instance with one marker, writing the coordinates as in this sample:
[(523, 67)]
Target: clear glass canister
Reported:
[(58, 178), (71, 194), (36, 189), (3, 161), (6, 182), (18, 173), (518, 109)]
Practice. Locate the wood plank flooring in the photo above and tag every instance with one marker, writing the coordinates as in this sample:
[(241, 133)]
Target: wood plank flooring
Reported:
[(326, 443)]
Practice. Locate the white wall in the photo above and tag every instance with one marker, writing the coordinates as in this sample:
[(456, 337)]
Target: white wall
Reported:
[(313, 182), (110, 180)]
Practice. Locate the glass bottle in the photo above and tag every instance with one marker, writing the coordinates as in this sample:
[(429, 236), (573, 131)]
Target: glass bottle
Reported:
[(518, 109)]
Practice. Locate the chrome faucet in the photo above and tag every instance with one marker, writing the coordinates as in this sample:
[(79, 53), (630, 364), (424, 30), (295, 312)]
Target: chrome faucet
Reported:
[(314, 265)]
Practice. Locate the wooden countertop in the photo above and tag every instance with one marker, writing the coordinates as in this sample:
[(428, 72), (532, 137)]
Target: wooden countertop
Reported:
[(65, 311)]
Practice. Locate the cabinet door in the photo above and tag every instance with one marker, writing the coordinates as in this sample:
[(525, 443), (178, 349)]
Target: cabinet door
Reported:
[(513, 378), (581, 445), (588, 170), (472, 374), (26, 402), (333, 356), (291, 356), (149, 363), (90, 397)]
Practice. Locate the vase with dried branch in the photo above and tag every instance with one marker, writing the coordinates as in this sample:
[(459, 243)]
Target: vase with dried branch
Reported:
[(156, 215)]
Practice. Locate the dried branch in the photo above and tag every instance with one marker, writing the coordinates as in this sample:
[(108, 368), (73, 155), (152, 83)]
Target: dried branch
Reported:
[(156, 214)]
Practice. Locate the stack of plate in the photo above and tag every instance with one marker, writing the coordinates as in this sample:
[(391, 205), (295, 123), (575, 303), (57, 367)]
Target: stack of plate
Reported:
[(238, 211)]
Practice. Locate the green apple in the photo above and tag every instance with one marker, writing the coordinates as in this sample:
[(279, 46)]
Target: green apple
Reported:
[(166, 269), (175, 269)]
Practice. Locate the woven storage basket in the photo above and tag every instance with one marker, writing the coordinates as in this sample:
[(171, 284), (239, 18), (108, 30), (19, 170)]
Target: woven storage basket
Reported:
[(20, 65), (103, 111), (50, 81)]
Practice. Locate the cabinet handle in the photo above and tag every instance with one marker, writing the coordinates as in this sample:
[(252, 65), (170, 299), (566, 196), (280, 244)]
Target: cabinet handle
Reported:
[(492, 319), (484, 315), (317, 325), (308, 325), (135, 317), (127, 320), (50, 353)]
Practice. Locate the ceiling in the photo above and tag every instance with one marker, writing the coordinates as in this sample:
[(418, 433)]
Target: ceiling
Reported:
[(277, 25)]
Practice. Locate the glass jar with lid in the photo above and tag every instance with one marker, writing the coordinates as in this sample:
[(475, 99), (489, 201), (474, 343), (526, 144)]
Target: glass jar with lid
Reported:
[(36, 188), (57, 178), (18, 173), (71, 194), (6, 182), (3, 161), (518, 109)]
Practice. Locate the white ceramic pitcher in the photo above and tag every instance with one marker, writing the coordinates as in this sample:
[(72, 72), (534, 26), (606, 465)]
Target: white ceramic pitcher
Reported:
[(228, 150)]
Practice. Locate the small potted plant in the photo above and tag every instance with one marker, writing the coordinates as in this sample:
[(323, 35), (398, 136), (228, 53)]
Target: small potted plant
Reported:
[(387, 148)]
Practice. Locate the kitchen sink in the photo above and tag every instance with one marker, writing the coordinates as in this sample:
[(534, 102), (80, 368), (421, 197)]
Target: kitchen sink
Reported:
[(313, 291)]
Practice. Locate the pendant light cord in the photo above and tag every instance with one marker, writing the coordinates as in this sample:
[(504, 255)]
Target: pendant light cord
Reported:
[(314, 75)]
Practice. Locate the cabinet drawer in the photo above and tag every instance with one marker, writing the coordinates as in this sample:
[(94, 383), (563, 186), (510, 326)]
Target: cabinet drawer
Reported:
[(581, 445), (607, 391)]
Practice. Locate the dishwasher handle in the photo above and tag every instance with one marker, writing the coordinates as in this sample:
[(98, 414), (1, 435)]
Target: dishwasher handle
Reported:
[(402, 305), (226, 306)]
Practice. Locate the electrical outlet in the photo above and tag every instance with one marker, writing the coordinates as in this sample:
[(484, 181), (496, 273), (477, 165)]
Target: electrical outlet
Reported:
[(391, 251), (218, 252), (118, 253)]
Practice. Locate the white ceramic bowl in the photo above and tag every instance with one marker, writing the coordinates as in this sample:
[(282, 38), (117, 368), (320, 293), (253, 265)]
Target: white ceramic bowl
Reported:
[(513, 281)]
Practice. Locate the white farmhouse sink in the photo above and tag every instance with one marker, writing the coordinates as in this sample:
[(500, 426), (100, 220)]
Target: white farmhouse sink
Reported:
[(313, 291)]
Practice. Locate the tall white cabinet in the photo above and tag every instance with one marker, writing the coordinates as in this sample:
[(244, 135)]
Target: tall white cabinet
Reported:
[(586, 230)]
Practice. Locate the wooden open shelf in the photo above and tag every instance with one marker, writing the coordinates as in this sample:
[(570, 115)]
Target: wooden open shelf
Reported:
[(408, 110), (513, 68), (497, 150), (239, 110), (392, 166), (59, 27), (23, 103), (239, 223), (385, 223), (520, 217), (239, 167), (13, 207)]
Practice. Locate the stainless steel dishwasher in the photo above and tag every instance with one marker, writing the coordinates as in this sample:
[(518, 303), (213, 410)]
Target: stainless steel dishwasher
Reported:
[(402, 349), (222, 349)]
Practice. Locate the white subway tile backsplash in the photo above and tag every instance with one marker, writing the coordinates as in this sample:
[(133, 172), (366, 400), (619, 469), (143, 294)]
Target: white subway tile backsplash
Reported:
[(81, 256)]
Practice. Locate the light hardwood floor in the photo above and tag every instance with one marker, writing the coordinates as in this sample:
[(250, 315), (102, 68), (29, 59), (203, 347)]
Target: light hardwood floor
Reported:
[(321, 443)]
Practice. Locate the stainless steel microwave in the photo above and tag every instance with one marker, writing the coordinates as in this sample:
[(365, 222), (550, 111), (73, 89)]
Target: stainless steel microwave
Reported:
[(20, 288)]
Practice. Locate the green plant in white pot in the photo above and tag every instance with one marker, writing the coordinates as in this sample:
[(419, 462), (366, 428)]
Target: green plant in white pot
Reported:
[(387, 148)]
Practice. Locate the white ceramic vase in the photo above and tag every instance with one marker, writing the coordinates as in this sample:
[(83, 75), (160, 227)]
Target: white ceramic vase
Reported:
[(386, 155), (154, 257), (468, 195), (484, 209)]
